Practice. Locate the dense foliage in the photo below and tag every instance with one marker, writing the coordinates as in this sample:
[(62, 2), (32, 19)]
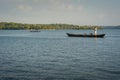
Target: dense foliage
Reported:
[(20, 26)]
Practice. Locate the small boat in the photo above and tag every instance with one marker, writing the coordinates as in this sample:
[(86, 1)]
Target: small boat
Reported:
[(86, 35), (95, 35), (33, 30)]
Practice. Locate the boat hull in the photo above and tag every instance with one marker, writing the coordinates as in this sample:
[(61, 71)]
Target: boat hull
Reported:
[(86, 35), (34, 31)]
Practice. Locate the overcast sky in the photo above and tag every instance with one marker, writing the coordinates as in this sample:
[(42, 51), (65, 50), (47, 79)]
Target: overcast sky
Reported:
[(79, 12)]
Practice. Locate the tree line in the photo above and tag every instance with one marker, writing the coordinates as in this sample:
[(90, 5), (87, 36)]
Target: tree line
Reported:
[(21, 26)]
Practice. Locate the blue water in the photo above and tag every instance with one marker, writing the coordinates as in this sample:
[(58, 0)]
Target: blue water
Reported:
[(51, 55)]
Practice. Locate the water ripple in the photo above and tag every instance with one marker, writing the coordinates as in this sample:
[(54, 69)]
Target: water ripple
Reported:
[(108, 71)]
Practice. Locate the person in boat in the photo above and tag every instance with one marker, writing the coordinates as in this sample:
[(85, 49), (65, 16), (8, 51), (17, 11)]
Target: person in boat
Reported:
[(91, 33), (95, 31)]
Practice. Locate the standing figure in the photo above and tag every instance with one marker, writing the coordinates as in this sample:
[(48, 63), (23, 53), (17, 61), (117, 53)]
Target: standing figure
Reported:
[(95, 31)]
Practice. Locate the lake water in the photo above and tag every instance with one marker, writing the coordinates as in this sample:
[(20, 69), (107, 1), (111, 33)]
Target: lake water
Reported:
[(52, 55)]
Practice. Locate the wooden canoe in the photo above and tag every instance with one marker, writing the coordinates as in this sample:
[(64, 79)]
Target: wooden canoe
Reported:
[(86, 35)]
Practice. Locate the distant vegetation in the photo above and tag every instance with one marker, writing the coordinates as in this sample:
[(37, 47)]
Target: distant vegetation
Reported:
[(112, 27), (20, 26)]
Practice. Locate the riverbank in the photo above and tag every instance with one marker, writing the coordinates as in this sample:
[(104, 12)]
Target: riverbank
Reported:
[(21, 26)]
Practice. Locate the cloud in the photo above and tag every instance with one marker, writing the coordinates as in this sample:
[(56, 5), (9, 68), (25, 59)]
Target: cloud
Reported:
[(50, 5), (67, 5), (24, 7), (101, 16), (36, 0)]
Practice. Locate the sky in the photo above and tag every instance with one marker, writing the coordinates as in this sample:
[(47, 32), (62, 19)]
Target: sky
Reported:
[(77, 12)]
